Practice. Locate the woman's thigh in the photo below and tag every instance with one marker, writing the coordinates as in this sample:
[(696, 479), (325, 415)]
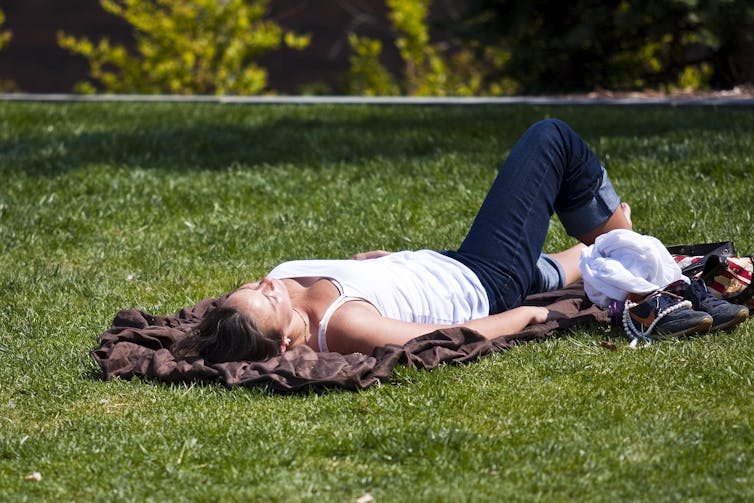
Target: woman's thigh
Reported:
[(549, 169)]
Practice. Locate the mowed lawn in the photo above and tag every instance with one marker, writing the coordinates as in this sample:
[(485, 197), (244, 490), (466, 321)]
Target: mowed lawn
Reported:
[(156, 206)]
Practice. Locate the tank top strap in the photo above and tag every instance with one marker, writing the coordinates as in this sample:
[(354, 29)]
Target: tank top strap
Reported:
[(322, 333)]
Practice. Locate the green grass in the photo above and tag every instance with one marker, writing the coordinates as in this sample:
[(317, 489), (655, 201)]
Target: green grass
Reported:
[(155, 206)]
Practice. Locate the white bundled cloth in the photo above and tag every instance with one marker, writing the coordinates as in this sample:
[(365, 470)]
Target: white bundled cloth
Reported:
[(622, 262)]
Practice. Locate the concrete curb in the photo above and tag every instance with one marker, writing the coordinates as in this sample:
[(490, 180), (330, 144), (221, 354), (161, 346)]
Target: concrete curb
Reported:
[(675, 101)]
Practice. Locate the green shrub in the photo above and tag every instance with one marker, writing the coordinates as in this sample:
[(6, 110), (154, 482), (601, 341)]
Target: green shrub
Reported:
[(367, 76), (6, 35), (560, 46), (695, 77), (185, 47), (427, 69), (6, 85)]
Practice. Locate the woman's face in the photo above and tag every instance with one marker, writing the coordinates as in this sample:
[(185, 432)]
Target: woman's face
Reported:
[(266, 302)]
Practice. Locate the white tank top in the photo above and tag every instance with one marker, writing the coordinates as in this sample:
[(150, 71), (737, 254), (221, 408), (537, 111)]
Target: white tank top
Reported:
[(414, 286)]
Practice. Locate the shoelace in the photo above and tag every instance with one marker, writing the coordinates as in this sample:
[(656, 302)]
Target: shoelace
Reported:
[(702, 294), (665, 303)]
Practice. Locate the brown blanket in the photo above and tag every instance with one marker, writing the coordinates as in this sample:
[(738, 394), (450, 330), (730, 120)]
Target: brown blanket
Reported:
[(138, 344)]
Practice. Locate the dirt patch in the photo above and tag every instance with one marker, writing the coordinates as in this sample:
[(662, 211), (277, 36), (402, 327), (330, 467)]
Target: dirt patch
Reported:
[(739, 92)]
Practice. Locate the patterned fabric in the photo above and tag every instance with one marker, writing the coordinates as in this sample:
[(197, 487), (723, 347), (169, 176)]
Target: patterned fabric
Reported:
[(728, 278), (685, 261), (732, 280)]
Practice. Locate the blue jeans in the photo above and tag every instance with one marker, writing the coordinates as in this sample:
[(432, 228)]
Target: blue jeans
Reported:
[(550, 169)]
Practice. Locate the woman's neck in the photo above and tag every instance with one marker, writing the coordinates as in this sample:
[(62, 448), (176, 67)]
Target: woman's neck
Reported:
[(310, 298), (305, 332)]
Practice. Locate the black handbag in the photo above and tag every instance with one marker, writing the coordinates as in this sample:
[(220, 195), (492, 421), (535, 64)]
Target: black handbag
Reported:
[(693, 258), (728, 276)]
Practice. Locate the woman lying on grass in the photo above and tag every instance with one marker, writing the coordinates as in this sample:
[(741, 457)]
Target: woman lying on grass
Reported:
[(384, 298)]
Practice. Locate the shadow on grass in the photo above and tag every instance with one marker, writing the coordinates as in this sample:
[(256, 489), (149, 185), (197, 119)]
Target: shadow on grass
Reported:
[(216, 138), (218, 144), (257, 389)]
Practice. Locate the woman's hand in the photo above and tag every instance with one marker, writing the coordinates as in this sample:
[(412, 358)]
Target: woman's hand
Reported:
[(370, 254), (512, 321), (539, 315), (543, 315)]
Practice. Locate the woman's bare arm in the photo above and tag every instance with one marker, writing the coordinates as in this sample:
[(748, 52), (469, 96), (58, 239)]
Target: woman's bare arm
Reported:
[(358, 327), (370, 254)]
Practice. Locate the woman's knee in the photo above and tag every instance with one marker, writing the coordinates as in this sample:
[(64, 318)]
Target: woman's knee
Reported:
[(553, 136), (551, 126)]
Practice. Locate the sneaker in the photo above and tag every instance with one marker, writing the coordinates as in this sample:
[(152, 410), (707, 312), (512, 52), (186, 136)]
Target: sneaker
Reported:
[(724, 314), (662, 313)]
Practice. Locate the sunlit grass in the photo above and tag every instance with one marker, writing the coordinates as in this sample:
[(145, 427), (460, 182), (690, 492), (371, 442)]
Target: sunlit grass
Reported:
[(112, 206)]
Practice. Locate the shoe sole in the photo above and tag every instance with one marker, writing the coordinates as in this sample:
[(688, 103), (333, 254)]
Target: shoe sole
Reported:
[(703, 326), (738, 319)]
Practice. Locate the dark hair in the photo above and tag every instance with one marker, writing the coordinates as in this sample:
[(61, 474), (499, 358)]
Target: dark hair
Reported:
[(224, 335)]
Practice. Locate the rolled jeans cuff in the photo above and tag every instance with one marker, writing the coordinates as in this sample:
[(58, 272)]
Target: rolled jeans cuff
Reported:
[(551, 274), (602, 205)]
